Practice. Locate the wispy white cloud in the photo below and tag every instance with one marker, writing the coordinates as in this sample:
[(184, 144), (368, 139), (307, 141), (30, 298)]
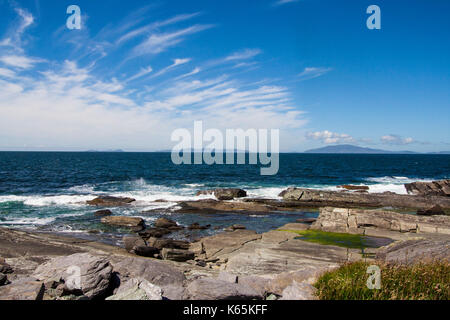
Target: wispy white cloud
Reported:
[(313, 72), (141, 73), (7, 73), (281, 2), (243, 55), (397, 140), (155, 25), (159, 42), (22, 62), (329, 137), (193, 72)]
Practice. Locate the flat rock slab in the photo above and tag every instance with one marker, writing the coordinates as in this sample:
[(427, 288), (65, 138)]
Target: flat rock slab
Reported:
[(24, 289), (215, 289), (415, 251), (156, 272), (223, 243)]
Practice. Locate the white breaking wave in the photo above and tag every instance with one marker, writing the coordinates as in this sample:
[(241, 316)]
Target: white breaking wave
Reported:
[(391, 183), (42, 201), (28, 221)]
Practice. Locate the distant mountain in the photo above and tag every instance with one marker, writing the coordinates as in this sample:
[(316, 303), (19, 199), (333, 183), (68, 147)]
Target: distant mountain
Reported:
[(440, 152), (347, 148)]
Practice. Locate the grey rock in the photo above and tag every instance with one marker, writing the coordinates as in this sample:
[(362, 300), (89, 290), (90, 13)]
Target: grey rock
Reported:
[(156, 272), (23, 289), (214, 289), (298, 291), (145, 251), (94, 273), (228, 277), (137, 289)]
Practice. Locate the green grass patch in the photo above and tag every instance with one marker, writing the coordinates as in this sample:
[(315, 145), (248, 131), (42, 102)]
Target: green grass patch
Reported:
[(346, 240), (429, 281)]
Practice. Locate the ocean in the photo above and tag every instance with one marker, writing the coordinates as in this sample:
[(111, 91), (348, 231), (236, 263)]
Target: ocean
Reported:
[(47, 191)]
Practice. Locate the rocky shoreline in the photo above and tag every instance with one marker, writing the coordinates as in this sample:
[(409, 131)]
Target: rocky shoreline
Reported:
[(234, 263)]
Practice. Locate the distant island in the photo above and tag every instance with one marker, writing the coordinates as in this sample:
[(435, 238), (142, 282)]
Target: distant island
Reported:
[(347, 148)]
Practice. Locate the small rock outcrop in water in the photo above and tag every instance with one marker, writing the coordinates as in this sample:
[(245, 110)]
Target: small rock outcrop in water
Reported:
[(435, 188), (224, 194), (122, 221), (167, 223), (197, 226), (352, 187), (102, 213), (108, 201)]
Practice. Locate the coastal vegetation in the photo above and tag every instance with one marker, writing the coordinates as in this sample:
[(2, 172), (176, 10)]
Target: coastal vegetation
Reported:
[(422, 281)]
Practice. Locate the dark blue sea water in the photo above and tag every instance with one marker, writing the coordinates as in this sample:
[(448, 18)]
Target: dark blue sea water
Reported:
[(48, 191)]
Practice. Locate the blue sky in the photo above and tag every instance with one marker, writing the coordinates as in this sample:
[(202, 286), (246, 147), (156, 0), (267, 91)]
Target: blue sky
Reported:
[(137, 70)]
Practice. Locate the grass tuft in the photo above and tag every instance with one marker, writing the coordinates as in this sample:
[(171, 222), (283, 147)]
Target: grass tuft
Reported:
[(424, 281)]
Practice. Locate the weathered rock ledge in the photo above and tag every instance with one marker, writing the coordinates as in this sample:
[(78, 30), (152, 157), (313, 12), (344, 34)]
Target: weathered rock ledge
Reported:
[(321, 198), (375, 222)]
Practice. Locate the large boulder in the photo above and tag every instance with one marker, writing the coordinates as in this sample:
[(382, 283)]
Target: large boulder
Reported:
[(224, 194), (122, 221), (434, 188), (215, 289), (82, 272), (109, 201)]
